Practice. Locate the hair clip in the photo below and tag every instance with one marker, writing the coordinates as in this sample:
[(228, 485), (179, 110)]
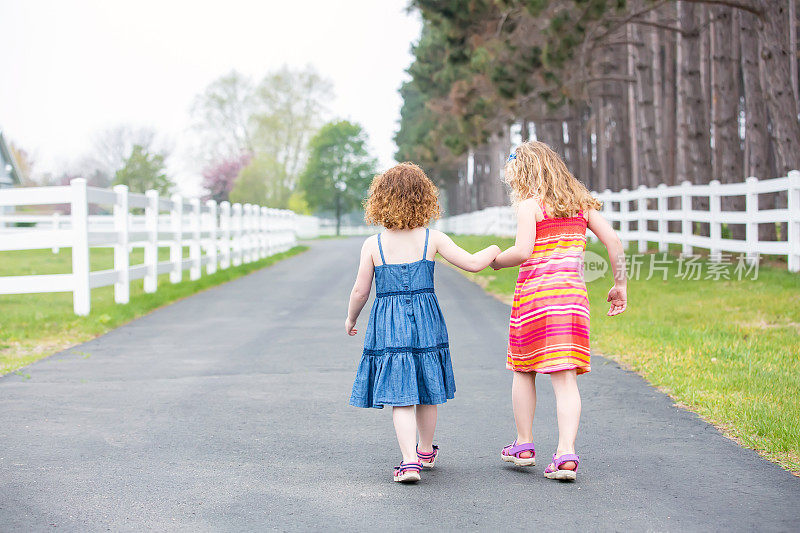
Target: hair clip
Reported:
[(511, 157)]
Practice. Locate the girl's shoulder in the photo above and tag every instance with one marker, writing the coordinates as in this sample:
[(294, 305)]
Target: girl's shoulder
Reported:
[(370, 249), (436, 238), (535, 204), (434, 234), (531, 202), (370, 244)]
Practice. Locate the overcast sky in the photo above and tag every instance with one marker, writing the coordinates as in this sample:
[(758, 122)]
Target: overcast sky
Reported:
[(70, 68)]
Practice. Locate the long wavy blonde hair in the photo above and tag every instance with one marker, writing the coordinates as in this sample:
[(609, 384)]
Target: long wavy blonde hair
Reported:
[(537, 171)]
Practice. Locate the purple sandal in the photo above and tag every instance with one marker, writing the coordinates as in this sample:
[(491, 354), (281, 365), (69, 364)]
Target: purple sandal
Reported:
[(510, 454), (554, 470), (427, 459), (407, 472)]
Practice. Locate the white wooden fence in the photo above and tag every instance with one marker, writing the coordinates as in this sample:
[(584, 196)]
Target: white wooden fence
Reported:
[(217, 235), (645, 205)]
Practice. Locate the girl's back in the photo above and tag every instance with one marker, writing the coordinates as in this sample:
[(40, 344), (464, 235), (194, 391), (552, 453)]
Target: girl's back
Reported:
[(406, 358), (402, 265), (557, 258)]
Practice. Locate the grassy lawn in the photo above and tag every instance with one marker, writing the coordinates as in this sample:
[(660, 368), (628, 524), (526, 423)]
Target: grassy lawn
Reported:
[(33, 326), (727, 349)]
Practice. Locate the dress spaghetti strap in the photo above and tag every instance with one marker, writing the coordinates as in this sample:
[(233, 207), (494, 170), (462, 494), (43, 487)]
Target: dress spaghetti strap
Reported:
[(380, 249), (542, 207), (425, 251)]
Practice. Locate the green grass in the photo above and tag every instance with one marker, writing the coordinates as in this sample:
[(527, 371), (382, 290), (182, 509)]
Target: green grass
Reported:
[(33, 326), (728, 350)]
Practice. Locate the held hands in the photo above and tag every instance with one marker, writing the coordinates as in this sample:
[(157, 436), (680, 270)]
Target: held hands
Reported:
[(350, 327), (618, 296), (498, 251)]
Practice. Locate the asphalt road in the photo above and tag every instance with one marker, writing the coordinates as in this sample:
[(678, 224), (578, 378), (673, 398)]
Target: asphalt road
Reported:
[(228, 411)]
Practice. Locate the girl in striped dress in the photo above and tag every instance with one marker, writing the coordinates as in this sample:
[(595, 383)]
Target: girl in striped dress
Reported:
[(549, 326)]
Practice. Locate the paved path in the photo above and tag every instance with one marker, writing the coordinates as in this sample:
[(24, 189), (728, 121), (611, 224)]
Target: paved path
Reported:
[(228, 411)]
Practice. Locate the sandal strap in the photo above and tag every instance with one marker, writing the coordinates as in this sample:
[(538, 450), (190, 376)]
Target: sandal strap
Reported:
[(430, 455), (566, 458), (400, 470), (515, 449)]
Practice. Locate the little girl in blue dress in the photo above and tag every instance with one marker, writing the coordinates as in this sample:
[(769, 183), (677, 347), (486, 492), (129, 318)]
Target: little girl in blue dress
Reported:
[(406, 358)]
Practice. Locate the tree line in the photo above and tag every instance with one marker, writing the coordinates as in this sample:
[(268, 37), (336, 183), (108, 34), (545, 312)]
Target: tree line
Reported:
[(264, 142), (268, 143), (636, 92)]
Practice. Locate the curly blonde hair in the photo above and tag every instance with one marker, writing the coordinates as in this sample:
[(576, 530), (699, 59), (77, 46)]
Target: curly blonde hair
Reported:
[(537, 171), (403, 197)]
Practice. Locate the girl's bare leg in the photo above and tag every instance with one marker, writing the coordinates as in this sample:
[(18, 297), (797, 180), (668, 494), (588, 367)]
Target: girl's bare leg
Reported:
[(568, 410), (405, 425), (523, 400), (426, 425)]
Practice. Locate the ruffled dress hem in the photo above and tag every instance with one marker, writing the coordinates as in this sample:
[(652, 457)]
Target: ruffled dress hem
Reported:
[(404, 376)]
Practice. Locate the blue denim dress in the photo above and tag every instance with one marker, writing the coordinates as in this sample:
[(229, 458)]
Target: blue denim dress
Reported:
[(406, 358)]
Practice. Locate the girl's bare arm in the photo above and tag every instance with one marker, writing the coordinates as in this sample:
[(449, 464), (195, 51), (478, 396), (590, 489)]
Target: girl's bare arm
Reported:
[(526, 235), (360, 293), (461, 258), (618, 295)]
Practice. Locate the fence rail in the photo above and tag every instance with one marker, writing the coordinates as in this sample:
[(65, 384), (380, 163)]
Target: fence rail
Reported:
[(217, 235), (645, 205)]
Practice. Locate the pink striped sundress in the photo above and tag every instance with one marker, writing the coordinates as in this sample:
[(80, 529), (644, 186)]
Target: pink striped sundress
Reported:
[(549, 326)]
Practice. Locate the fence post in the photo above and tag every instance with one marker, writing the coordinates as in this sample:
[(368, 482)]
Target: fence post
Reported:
[(253, 230), (276, 230), (194, 245), (243, 234), (176, 245), (663, 224), (237, 234), (263, 228), (289, 229), (273, 228), (255, 214), (293, 223), (686, 223), (793, 193), (282, 229), (624, 224), (122, 261), (79, 213), (56, 224), (225, 226), (715, 227), (264, 217), (267, 229), (751, 227), (151, 246), (255, 217), (212, 247), (641, 221), (247, 225)]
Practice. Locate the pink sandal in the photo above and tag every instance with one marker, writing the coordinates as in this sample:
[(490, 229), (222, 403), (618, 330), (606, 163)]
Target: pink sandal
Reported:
[(427, 459), (554, 470), (407, 472), (510, 454)]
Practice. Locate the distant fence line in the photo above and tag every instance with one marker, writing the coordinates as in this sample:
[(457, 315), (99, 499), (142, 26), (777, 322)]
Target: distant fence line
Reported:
[(645, 207), (217, 235)]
